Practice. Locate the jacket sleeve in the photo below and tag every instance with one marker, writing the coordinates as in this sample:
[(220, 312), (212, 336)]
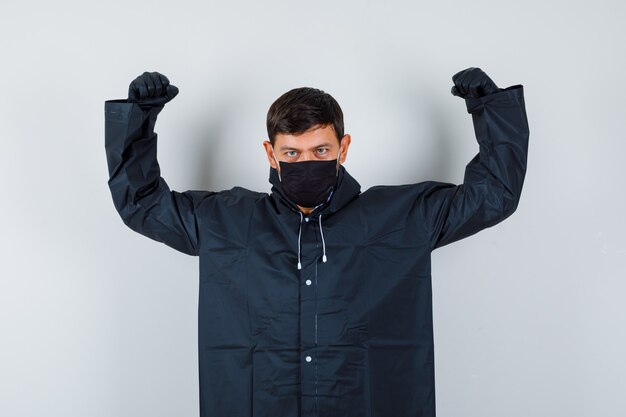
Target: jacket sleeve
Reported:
[(493, 179), (140, 195)]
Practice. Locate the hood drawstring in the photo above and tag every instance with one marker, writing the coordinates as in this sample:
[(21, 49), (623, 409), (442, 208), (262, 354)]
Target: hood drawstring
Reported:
[(299, 235), (323, 243), (324, 259)]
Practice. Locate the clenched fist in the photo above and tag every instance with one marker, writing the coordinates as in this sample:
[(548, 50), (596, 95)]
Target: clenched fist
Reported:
[(472, 82), (151, 89)]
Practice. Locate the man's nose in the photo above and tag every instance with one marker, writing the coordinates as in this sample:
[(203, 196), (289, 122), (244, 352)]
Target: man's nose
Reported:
[(306, 156)]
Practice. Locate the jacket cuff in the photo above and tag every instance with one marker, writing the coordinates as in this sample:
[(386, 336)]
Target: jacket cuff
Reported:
[(124, 124), (119, 110), (475, 104)]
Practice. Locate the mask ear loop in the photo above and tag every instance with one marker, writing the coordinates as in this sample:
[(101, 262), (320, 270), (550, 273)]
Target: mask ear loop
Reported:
[(277, 165)]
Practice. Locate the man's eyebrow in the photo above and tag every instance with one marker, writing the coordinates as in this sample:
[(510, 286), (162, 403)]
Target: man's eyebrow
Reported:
[(288, 148), (323, 145), (291, 148)]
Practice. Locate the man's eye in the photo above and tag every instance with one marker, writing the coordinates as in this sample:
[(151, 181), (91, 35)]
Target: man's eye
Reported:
[(322, 151), (291, 153)]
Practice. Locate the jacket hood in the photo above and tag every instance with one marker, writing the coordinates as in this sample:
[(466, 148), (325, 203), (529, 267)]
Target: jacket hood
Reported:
[(347, 189)]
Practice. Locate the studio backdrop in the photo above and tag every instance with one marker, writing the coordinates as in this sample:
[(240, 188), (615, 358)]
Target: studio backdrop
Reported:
[(99, 321)]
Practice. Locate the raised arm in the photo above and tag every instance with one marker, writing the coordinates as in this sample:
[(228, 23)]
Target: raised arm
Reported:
[(141, 196), (493, 179)]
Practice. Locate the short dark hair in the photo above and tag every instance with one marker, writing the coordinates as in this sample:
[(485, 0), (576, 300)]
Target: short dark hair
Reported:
[(301, 109)]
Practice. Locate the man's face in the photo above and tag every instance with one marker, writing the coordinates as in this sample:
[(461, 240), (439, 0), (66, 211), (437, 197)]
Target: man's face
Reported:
[(316, 144)]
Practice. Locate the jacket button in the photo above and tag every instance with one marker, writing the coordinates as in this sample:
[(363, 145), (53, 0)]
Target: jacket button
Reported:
[(308, 359), (308, 282), (306, 219)]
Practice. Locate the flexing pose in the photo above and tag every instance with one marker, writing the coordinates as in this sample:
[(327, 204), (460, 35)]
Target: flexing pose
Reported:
[(315, 299)]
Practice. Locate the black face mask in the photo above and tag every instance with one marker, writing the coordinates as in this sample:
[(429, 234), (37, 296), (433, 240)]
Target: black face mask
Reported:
[(308, 183)]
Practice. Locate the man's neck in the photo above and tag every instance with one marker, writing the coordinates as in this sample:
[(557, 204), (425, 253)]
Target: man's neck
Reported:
[(305, 210)]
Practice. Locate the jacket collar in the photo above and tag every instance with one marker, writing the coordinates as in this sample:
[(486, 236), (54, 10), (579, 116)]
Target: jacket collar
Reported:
[(347, 189)]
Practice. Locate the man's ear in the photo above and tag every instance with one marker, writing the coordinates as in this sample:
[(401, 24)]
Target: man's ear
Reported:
[(270, 153), (344, 145)]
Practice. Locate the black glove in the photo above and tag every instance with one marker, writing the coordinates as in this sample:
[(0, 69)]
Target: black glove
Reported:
[(472, 82), (151, 89)]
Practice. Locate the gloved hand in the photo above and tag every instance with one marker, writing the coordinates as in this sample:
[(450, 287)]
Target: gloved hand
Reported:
[(472, 82), (151, 89)]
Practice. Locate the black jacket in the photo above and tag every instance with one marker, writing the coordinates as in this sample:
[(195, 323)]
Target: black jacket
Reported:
[(350, 337)]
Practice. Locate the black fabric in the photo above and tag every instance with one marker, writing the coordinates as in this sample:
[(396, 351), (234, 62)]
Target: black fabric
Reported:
[(151, 89), (349, 337), (308, 183), (472, 82)]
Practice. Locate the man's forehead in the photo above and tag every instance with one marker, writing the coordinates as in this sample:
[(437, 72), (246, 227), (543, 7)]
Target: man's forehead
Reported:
[(312, 138)]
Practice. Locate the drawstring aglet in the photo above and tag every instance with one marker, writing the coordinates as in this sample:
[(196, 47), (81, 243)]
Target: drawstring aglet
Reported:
[(299, 265)]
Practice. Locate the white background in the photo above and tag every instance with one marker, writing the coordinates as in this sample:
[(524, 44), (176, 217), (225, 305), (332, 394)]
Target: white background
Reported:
[(96, 320)]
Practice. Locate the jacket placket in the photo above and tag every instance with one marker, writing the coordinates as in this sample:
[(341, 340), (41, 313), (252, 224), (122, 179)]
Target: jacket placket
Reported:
[(310, 257)]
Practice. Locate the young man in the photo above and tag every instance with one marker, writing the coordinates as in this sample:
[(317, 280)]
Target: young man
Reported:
[(315, 299)]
